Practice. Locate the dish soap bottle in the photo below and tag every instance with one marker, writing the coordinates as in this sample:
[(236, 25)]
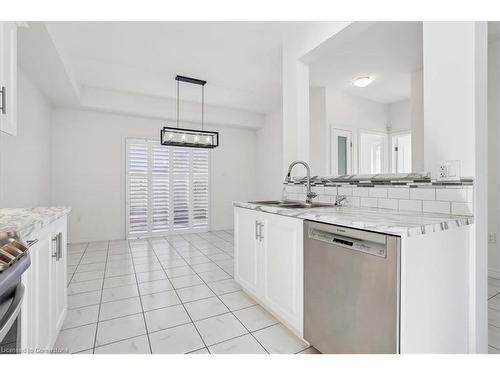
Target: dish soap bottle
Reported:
[(284, 194)]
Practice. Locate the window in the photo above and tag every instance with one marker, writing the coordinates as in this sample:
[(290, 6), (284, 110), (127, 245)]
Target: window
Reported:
[(167, 189)]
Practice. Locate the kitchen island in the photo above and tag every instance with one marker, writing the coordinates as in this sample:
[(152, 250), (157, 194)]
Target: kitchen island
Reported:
[(432, 267)]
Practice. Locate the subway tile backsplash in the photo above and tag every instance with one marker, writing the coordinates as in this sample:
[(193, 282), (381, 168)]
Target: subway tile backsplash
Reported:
[(410, 205), (423, 193), (436, 207), (434, 198)]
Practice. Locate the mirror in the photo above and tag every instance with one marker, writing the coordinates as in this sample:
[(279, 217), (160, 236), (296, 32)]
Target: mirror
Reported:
[(366, 100)]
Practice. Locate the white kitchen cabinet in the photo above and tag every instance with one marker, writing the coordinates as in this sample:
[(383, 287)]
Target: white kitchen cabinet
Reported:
[(58, 279), (44, 306), (269, 263), (247, 249), (35, 311), (8, 77), (283, 267)]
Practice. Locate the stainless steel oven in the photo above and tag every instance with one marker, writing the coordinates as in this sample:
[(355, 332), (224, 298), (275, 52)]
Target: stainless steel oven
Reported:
[(10, 321), (14, 260)]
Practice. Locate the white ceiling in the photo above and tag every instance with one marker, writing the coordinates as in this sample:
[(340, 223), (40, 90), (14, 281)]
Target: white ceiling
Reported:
[(240, 60), (390, 51)]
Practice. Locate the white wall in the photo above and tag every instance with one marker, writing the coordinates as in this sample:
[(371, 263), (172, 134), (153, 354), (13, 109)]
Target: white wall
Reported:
[(493, 155), (455, 128), (25, 158), (417, 121), (448, 95), (270, 172), (352, 113), (295, 81), (399, 115), (319, 142), (88, 170)]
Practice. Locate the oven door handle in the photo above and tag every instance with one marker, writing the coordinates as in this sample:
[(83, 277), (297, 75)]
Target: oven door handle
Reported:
[(12, 312)]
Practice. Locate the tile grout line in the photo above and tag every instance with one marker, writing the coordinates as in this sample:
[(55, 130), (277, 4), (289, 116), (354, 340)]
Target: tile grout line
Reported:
[(494, 296), (160, 308), (79, 261), (180, 325), (190, 266), (144, 282), (177, 249), (250, 332), (140, 300), (175, 291), (228, 308), (100, 300)]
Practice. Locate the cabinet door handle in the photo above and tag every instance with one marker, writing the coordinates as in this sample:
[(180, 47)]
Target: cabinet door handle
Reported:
[(3, 107), (261, 225), (59, 246), (256, 230), (55, 254)]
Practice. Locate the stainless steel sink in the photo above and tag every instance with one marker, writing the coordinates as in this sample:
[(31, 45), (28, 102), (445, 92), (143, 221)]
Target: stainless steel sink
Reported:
[(293, 204)]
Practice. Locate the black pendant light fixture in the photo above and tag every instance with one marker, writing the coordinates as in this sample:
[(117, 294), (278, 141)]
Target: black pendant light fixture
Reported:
[(181, 137)]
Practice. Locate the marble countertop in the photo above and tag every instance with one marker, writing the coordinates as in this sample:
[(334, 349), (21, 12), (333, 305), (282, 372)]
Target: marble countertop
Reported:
[(28, 220), (398, 223)]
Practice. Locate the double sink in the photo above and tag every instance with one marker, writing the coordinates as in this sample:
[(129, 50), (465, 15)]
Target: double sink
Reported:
[(293, 204)]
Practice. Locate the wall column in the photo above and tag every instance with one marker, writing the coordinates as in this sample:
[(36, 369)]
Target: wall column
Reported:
[(455, 128)]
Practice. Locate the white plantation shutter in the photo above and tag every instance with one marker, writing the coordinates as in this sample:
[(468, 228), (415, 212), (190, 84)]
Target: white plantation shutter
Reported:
[(167, 188), (180, 175), (200, 188), (160, 191), (137, 182)]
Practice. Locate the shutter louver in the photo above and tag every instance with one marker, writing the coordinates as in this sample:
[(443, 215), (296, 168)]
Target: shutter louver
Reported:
[(200, 188), (160, 192), (167, 189), (180, 166), (138, 188)]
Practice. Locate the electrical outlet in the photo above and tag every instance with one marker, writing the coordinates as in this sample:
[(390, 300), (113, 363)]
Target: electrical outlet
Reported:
[(449, 170), (492, 238), (442, 171)]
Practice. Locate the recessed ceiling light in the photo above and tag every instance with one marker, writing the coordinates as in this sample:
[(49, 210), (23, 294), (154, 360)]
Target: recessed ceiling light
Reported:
[(363, 81)]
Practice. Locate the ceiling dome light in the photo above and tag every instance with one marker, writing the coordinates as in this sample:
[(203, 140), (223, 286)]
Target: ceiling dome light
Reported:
[(363, 81)]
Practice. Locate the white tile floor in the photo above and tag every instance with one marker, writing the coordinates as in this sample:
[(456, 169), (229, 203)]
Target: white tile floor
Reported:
[(173, 294), (494, 315)]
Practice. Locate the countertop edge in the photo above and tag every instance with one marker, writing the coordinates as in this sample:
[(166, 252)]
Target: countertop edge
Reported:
[(40, 221), (402, 231)]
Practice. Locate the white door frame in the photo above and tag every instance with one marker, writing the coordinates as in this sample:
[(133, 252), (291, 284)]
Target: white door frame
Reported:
[(391, 146), (386, 156), (335, 133)]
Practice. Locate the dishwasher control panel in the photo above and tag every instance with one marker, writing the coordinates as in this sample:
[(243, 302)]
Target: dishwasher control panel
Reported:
[(369, 247)]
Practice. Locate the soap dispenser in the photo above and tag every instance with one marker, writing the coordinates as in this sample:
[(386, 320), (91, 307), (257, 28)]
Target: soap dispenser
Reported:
[(284, 194)]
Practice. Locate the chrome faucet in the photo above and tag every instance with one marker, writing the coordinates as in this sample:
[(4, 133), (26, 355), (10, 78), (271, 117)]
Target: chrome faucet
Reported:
[(339, 199), (310, 194)]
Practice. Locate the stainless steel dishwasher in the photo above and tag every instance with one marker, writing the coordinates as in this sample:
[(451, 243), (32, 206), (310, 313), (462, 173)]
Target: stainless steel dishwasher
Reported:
[(351, 290)]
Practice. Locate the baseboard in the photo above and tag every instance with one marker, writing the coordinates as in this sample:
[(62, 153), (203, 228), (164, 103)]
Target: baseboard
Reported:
[(494, 273), (222, 228)]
